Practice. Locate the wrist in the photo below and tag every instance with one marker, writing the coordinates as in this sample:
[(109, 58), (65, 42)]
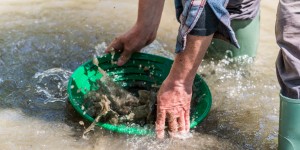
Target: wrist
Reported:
[(179, 82), (145, 27), (181, 75), (145, 32)]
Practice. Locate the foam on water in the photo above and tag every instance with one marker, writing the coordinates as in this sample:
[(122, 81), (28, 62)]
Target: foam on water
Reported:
[(53, 83)]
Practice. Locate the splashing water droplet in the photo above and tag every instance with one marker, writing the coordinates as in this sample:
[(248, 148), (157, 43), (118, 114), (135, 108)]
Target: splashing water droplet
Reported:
[(52, 84)]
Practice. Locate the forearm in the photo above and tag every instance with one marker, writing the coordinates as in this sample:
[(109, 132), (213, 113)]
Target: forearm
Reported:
[(149, 14), (186, 63)]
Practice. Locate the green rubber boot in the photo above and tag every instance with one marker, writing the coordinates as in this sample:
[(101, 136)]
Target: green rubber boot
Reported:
[(289, 124), (247, 33)]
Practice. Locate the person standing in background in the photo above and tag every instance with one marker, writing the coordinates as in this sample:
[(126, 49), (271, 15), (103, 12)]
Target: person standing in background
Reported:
[(287, 32)]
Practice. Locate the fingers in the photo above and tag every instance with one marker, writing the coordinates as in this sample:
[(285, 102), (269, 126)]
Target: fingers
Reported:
[(172, 119), (181, 122), (125, 56), (160, 123), (118, 45), (187, 120), (178, 125), (115, 45), (173, 125)]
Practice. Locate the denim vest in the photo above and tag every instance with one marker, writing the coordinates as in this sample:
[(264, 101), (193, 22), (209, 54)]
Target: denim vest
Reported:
[(189, 11)]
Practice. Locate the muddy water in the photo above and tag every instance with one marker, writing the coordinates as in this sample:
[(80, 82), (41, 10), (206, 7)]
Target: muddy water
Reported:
[(42, 43)]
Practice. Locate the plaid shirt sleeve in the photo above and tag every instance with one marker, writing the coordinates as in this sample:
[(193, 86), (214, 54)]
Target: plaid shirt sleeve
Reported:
[(188, 13)]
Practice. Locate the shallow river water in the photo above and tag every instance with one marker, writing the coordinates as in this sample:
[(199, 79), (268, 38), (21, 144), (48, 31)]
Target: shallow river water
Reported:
[(43, 42)]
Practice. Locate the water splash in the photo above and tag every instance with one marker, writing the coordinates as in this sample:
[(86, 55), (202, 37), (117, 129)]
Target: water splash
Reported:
[(155, 48), (241, 110), (100, 49), (52, 83), (1, 80), (148, 143)]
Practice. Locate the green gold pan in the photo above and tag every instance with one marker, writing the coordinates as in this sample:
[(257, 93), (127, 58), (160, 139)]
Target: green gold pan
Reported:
[(151, 70)]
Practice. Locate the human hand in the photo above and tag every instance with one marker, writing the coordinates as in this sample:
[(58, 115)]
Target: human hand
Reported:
[(131, 41), (173, 105)]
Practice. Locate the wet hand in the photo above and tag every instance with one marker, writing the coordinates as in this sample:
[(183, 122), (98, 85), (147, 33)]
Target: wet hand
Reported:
[(132, 41), (173, 106)]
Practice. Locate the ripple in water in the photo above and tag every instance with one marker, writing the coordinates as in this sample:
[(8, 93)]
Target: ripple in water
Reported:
[(244, 104), (52, 83)]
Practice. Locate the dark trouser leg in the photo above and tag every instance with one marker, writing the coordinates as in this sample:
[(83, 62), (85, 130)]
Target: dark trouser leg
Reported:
[(288, 39), (288, 73)]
